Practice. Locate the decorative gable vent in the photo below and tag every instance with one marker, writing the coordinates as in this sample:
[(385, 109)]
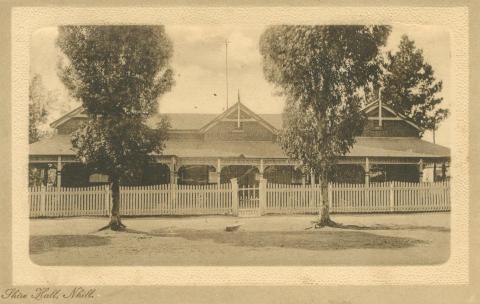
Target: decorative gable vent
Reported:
[(380, 113)]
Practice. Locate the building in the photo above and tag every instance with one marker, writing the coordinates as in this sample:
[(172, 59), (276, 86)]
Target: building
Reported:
[(212, 148)]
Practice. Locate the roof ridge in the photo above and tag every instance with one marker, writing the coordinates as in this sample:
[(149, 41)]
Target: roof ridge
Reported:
[(213, 113)]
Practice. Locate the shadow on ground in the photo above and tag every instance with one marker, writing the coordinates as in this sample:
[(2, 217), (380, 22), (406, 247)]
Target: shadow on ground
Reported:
[(309, 240), (392, 227), (44, 243)]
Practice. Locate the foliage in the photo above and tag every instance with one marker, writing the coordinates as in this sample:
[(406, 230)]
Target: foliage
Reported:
[(121, 148), (409, 86), (321, 70), (315, 142), (118, 73), (116, 70), (38, 100)]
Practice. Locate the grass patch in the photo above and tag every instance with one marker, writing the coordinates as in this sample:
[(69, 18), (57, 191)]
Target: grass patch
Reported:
[(44, 243), (309, 240)]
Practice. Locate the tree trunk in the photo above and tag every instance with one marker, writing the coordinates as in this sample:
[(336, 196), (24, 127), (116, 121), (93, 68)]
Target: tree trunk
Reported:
[(115, 221), (324, 216)]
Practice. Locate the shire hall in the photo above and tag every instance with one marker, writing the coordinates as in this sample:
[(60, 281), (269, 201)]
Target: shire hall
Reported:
[(239, 143)]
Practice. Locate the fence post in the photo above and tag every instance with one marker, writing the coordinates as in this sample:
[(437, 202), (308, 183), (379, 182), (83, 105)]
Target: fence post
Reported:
[(392, 197), (43, 197), (234, 183), (262, 195)]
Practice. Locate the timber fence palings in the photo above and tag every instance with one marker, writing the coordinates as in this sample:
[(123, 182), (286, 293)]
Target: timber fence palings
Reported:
[(221, 199), (292, 199), (390, 197), (176, 200), (57, 202)]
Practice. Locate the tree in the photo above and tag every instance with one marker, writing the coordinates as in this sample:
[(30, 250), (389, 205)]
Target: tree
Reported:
[(410, 88), (118, 73), (321, 70), (38, 99)]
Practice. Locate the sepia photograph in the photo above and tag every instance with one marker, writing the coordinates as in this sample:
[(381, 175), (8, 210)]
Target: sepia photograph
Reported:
[(240, 145), (232, 153)]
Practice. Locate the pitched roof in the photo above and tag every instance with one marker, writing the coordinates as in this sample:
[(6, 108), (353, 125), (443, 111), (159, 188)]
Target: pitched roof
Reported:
[(195, 121), (179, 121), (77, 112), (396, 147), (248, 149), (364, 147), (183, 121), (198, 121), (55, 145)]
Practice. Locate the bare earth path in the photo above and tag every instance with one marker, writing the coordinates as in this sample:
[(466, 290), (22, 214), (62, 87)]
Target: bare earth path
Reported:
[(402, 239)]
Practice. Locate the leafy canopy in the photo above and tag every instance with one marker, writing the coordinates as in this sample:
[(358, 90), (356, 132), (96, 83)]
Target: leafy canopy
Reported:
[(321, 70), (118, 73), (409, 86)]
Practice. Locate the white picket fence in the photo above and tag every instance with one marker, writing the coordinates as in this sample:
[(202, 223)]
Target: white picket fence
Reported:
[(176, 200), (56, 202), (230, 199), (143, 200), (293, 199), (389, 197)]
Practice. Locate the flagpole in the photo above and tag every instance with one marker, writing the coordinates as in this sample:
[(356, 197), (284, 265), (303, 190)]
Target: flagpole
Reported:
[(226, 68)]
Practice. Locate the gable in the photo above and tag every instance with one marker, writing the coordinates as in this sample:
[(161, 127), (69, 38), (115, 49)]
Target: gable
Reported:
[(70, 125), (389, 128), (239, 115), (383, 121), (243, 115), (385, 113), (78, 112), (248, 131)]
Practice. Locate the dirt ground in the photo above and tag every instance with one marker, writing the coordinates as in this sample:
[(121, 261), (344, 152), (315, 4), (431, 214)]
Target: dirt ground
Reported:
[(401, 239)]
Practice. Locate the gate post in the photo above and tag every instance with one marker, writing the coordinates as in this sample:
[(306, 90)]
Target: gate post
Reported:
[(234, 183), (262, 195)]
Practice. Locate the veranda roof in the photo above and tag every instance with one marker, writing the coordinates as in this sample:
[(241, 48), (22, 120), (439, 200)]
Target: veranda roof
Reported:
[(364, 147)]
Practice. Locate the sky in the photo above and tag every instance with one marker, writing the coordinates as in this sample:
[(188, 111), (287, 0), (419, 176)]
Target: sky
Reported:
[(199, 65)]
